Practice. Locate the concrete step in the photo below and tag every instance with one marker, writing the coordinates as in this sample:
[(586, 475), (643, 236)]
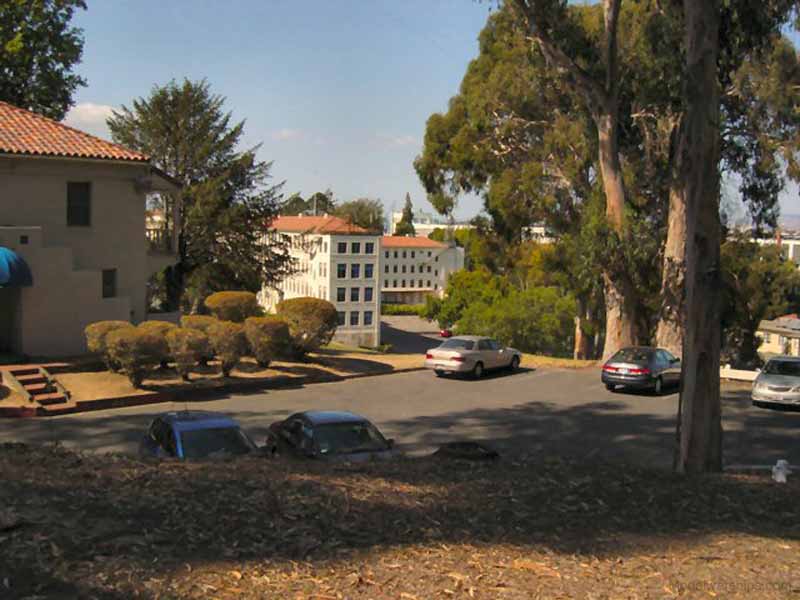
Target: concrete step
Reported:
[(51, 410), (37, 388), (22, 371), (50, 399), (31, 379)]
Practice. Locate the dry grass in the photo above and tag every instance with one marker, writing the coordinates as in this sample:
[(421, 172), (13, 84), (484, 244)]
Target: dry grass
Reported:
[(9, 398), (537, 360)]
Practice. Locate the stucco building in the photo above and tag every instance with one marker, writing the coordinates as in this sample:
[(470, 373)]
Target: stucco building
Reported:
[(415, 267), (779, 336), (72, 213), (335, 261)]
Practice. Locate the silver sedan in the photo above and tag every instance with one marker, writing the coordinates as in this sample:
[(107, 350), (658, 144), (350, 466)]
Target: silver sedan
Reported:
[(471, 354), (778, 384)]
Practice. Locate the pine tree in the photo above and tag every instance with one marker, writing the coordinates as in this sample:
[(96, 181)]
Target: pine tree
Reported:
[(406, 224)]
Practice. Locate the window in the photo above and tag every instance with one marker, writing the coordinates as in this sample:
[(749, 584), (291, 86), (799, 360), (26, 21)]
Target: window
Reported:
[(412, 268), (355, 247), (411, 283), (367, 317), (368, 270), (436, 273), (325, 247), (394, 283), (429, 253), (340, 294), (386, 269), (355, 271), (436, 259), (367, 296), (484, 345), (420, 283), (395, 253), (435, 286), (412, 254), (79, 204), (341, 271), (394, 270), (355, 294), (340, 317), (369, 248), (354, 318), (404, 268), (386, 254), (341, 247), (429, 283), (23, 239), (767, 338), (429, 268), (109, 283), (404, 253), (403, 283)]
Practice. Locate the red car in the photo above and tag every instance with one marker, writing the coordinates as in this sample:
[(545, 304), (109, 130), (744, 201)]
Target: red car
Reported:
[(445, 333)]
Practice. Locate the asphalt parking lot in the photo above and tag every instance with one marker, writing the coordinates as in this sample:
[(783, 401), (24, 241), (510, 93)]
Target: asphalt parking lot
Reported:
[(541, 412)]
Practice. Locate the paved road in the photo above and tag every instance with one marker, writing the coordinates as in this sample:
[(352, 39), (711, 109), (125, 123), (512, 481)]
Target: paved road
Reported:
[(543, 411)]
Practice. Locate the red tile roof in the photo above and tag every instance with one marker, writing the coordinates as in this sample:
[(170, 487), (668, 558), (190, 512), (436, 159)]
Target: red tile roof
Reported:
[(324, 225), (27, 133), (399, 241)]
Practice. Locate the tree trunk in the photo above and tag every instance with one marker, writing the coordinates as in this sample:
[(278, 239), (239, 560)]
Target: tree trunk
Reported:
[(699, 413), (583, 342), (620, 318), (669, 333)]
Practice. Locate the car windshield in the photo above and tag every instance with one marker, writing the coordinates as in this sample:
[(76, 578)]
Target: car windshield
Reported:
[(344, 438), (456, 344), (203, 443), (783, 367), (634, 355)]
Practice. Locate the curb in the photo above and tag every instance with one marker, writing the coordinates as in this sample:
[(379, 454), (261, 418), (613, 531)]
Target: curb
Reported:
[(255, 385)]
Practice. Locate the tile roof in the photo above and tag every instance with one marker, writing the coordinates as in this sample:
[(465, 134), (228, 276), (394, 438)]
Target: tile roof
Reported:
[(27, 133), (399, 241), (322, 224)]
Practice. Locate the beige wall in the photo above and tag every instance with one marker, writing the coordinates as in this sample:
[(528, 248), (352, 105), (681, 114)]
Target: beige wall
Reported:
[(67, 262)]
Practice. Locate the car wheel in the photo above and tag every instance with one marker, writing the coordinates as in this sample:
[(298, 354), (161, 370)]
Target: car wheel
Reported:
[(438, 373), (658, 386), (611, 387), (477, 371), (514, 363)]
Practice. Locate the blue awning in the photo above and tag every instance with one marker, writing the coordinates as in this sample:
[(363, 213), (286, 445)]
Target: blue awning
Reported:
[(14, 271)]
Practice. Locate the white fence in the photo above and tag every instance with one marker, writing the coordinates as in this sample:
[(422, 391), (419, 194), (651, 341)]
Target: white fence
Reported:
[(725, 372)]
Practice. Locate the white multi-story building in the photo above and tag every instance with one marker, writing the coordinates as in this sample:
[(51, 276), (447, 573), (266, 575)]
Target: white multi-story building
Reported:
[(338, 262), (426, 223), (415, 267)]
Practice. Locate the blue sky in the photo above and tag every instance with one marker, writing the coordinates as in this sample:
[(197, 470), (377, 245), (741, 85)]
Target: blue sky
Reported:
[(337, 91)]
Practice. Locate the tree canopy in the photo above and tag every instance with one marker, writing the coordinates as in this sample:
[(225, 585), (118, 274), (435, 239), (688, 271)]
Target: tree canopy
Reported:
[(39, 49), (319, 203), (364, 212), (406, 224)]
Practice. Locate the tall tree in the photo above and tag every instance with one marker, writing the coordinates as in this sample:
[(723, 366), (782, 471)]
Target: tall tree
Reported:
[(406, 224), (38, 50), (364, 212), (319, 203), (226, 202)]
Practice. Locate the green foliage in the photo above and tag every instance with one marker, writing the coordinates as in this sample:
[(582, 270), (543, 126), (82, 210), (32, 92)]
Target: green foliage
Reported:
[(404, 309), (188, 347), (229, 343), (312, 323), (160, 330), (364, 212), (198, 322), (406, 224), (134, 350), (233, 306), (439, 234), (226, 199), (319, 203), (758, 283), (268, 338), (464, 288), (96, 334), (38, 51)]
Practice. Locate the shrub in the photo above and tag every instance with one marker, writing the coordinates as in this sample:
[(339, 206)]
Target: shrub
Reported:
[(160, 329), (134, 350), (201, 323), (234, 306), (229, 343), (267, 337), (96, 334), (312, 323), (403, 309), (188, 347)]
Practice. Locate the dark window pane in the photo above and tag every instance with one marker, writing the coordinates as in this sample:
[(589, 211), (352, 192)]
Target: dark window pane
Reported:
[(340, 294), (355, 247), (109, 283), (340, 317), (355, 271), (369, 248), (368, 317), (342, 247), (79, 204), (354, 318), (354, 294), (341, 271), (368, 295)]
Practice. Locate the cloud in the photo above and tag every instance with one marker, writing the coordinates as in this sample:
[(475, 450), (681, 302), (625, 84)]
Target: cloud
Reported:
[(393, 141), (286, 135), (90, 117)]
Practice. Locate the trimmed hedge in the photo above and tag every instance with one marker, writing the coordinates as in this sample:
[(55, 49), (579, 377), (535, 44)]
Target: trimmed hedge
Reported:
[(96, 334), (229, 343), (268, 338), (198, 322), (160, 328), (188, 347), (134, 350), (403, 309), (312, 323), (234, 306)]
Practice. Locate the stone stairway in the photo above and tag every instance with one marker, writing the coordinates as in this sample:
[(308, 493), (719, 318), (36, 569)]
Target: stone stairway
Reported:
[(38, 384)]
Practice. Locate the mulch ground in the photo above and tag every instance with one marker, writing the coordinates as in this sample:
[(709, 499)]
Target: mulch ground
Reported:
[(90, 526)]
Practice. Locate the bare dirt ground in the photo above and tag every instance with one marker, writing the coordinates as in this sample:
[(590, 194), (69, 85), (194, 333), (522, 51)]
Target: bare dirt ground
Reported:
[(91, 526)]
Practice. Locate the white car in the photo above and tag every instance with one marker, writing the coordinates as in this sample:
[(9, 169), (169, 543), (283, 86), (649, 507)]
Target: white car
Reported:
[(778, 383), (471, 354)]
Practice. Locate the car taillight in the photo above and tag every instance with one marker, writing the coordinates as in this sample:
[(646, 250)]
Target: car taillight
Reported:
[(429, 355), (458, 358), (639, 371), (610, 369)]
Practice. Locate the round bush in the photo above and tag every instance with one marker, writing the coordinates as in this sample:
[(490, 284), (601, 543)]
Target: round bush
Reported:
[(198, 322), (229, 343), (160, 328), (188, 347), (96, 334), (268, 338), (312, 323), (134, 350), (233, 306)]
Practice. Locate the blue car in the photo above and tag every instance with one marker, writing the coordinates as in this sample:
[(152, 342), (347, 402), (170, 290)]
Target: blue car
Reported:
[(194, 434)]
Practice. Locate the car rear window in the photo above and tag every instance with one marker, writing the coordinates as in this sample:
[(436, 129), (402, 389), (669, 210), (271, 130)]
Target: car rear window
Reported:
[(454, 344), (202, 443), (783, 367), (632, 355)]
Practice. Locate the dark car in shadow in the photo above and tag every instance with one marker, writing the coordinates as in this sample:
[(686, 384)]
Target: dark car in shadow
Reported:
[(642, 368)]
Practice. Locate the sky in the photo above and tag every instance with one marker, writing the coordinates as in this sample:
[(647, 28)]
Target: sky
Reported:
[(336, 91)]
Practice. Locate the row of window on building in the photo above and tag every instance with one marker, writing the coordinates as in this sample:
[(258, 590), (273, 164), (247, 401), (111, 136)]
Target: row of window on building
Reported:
[(355, 294), (404, 254), (411, 269), (355, 318), (355, 271), (410, 283), (355, 248)]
